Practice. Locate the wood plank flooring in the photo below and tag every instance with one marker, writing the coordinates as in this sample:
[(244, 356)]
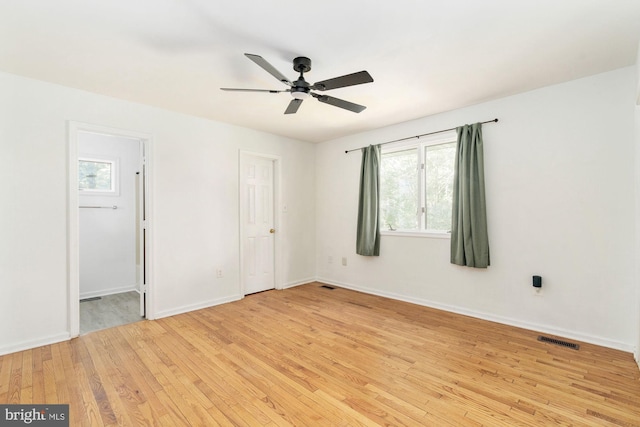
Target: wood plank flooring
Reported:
[(310, 356)]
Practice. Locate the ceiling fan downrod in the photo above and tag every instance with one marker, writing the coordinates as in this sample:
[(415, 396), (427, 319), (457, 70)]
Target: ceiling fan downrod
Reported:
[(300, 88)]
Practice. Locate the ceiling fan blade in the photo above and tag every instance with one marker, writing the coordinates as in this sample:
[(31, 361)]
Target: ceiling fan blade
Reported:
[(343, 81), (251, 90), (293, 106), (268, 68), (339, 103)]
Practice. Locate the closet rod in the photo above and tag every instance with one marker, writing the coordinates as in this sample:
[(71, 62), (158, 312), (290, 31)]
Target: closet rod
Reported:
[(99, 207), (418, 136)]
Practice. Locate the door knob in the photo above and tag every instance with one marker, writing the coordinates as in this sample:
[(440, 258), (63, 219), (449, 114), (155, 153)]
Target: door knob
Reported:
[(273, 230)]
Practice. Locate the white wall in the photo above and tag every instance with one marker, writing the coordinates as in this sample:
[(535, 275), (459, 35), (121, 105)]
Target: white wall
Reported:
[(637, 157), (560, 187), (195, 205), (108, 236), (560, 193)]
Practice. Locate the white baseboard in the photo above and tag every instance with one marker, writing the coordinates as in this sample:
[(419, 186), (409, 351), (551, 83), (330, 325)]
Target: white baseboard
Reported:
[(298, 283), (211, 303), (490, 317), (111, 291), (28, 345), (199, 306)]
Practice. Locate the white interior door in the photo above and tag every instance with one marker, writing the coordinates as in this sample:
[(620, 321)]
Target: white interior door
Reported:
[(258, 225)]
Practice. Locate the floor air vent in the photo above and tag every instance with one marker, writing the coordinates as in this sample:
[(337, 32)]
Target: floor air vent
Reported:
[(90, 299), (559, 342), (327, 287)]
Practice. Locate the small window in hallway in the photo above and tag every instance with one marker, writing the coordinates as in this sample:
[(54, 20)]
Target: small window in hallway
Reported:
[(97, 175)]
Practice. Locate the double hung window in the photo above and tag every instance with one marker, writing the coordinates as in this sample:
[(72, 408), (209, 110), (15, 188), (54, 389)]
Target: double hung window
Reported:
[(417, 186)]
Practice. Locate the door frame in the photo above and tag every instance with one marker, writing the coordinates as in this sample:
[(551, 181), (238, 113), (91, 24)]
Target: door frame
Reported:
[(73, 218), (277, 223)]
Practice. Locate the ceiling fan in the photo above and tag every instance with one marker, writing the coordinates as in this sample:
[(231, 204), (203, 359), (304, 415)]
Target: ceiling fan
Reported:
[(301, 90)]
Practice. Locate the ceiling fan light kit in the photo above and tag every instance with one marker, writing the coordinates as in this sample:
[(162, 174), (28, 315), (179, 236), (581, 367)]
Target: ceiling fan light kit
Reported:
[(300, 89), (300, 94)]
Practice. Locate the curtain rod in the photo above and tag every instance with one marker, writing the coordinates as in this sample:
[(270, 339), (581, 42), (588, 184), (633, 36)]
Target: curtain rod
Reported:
[(419, 136)]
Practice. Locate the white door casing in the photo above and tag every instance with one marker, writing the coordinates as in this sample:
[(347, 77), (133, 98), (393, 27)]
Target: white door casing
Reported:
[(257, 222), (141, 236), (75, 128)]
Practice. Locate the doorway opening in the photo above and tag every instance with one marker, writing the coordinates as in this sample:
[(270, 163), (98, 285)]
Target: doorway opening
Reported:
[(108, 227)]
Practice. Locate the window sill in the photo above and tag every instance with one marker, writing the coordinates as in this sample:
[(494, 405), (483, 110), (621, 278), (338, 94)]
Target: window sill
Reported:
[(415, 234)]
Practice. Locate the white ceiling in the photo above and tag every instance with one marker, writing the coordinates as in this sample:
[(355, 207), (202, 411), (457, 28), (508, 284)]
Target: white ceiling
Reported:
[(426, 56)]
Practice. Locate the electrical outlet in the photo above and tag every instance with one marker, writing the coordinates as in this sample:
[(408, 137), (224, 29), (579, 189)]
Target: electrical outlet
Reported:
[(219, 273), (344, 261)]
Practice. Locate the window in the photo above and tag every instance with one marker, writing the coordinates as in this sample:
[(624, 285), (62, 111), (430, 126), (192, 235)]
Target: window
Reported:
[(97, 176), (417, 186), (399, 193)]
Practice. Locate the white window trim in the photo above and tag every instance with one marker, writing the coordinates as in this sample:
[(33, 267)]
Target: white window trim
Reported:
[(115, 173), (420, 143), (416, 233)]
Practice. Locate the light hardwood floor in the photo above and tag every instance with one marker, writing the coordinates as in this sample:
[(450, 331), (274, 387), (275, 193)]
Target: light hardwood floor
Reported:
[(310, 356)]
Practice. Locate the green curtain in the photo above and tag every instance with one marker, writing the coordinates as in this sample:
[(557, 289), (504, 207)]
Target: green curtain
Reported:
[(469, 236), (368, 237)]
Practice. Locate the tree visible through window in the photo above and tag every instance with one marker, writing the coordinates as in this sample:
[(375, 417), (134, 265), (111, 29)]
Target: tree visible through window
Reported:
[(96, 175), (439, 169), (417, 195), (399, 190)]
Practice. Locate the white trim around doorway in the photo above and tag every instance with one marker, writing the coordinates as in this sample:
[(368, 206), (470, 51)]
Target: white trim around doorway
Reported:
[(73, 251)]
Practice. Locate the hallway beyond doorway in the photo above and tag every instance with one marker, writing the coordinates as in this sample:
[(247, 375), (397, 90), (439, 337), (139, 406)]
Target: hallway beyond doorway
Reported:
[(109, 311)]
